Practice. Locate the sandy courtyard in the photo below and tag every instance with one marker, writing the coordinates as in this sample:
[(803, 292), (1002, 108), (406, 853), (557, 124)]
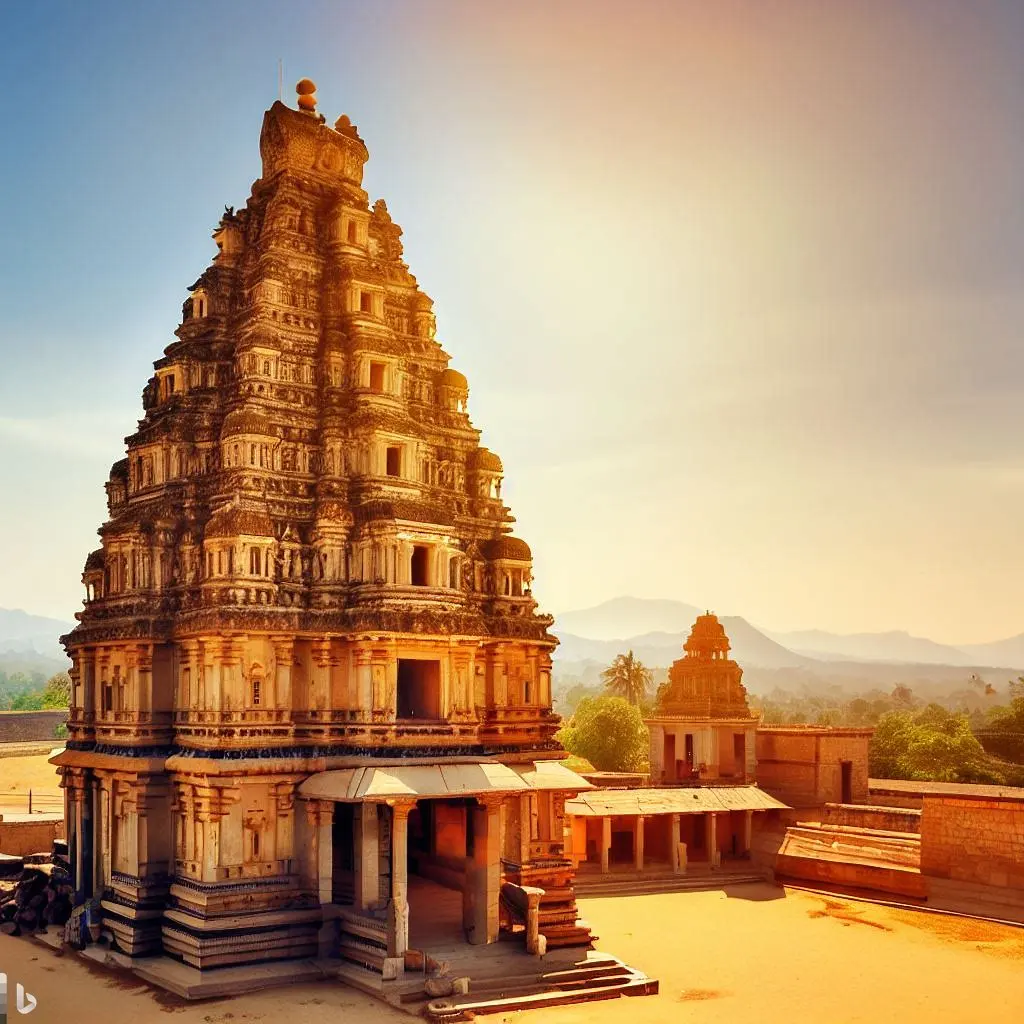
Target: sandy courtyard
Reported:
[(753, 953)]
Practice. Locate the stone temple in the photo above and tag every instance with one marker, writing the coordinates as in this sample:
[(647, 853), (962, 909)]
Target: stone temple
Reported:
[(310, 680)]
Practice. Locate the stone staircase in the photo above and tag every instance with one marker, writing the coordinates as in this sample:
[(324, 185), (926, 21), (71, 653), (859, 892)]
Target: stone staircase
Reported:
[(861, 858), (596, 977)]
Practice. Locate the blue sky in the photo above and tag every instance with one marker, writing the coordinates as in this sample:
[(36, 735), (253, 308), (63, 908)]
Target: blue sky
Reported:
[(737, 286)]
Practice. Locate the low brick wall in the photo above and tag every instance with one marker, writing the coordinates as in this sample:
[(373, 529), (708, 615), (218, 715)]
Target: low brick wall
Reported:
[(890, 819), (881, 798), (35, 835), (970, 838), (23, 726)]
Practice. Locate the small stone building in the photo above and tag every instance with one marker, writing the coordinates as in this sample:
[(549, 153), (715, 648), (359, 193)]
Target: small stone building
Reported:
[(808, 766)]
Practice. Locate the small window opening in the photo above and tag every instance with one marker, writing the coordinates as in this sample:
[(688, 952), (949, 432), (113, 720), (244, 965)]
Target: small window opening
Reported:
[(254, 562), (420, 566), (255, 845), (377, 376), (394, 461), (366, 302), (453, 573), (170, 384), (257, 687), (352, 231)]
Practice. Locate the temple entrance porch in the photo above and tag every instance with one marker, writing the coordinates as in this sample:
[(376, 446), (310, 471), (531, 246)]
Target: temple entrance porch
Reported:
[(405, 856)]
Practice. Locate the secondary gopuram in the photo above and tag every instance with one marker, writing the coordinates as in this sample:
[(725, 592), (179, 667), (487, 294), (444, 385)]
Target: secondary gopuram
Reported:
[(702, 727), (311, 686)]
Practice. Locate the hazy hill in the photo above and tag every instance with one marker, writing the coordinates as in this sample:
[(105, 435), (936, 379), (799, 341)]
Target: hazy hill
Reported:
[(1001, 652), (749, 647), (628, 616), (32, 636), (811, 661), (895, 646)]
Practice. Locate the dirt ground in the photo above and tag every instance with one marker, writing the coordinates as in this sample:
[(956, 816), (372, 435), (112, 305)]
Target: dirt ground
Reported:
[(754, 952), (20, 774)]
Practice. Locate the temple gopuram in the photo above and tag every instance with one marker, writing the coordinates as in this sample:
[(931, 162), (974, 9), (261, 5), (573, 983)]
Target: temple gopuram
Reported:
[(311, 688), (702, 727)]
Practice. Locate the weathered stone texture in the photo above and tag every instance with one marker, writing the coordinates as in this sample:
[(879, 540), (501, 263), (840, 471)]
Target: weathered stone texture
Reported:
[(973, 840)]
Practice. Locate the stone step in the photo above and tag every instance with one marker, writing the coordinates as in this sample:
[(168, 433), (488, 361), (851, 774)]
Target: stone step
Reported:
[(667, 883), (599, 987)]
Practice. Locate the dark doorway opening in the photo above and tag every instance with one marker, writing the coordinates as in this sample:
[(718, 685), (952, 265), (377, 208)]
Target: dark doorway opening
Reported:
[(846, 769), (419, 689), (670, 757), (343, 888), (421, 566), (689, 749), (739, 753)]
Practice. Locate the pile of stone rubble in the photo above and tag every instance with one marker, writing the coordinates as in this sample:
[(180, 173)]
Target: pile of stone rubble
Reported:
[(38, 896)]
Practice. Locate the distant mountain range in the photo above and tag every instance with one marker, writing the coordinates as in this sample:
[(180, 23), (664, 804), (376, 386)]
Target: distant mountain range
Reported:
[(656, 629), (31, 637)]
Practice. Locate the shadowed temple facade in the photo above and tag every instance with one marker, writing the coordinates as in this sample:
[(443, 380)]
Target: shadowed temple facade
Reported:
[(310, 669)]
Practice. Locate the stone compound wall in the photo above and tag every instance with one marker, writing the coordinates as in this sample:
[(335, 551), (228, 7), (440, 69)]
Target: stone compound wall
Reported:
[(972, 839), (889, 819), (803, 766), (25, 726), (35, 835)]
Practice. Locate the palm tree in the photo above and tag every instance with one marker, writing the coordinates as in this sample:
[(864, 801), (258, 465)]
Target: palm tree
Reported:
[(627, 677)]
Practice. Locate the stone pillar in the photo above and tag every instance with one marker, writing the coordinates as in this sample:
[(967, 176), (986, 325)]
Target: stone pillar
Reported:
[(325, 852), (748, 831), (713, 858), (367, 859), (638, 844), (76, 803), (144, 678), (525, 828), (674, 844), (284, 654), (606, 842), (398, 940), (486, 873), (364, 682)]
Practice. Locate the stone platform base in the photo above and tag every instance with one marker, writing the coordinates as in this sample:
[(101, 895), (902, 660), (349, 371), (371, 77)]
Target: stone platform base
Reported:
[(191, 983)]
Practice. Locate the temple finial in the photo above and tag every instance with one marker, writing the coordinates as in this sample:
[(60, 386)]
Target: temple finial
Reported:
[(306, 88)]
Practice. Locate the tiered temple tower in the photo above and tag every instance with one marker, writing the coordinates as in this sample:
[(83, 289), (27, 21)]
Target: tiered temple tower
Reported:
[(309, 660), (702, 727)]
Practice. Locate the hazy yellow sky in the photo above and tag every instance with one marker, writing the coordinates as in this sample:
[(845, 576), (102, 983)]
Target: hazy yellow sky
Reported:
[(737, 285)]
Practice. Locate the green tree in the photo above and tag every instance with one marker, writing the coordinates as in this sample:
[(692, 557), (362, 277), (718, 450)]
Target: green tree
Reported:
[(933, 745), (609, 733), (629, 678), (57, 693)]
